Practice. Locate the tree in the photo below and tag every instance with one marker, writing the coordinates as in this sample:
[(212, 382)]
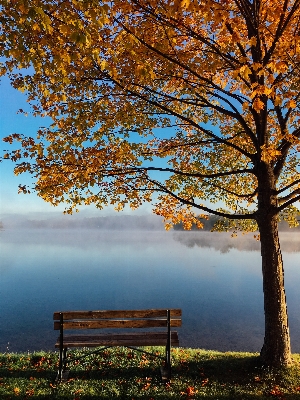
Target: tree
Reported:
[(187, 104)]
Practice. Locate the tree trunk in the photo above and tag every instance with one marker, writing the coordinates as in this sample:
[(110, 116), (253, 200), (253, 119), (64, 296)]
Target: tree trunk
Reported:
[(276, 350)]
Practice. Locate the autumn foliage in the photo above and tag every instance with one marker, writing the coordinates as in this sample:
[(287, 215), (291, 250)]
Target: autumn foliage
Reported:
[(185, 104), (111, 75)]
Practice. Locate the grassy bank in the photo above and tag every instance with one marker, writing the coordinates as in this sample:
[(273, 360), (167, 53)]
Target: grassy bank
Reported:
[(123, 374)]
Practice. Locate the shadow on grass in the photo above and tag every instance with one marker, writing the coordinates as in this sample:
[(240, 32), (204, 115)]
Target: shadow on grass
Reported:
[(26, 374), (229, 369), (202, 376), (241, 377)]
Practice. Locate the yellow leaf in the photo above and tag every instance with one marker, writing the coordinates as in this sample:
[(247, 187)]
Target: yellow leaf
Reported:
[(277, 101), (168, 226), (256, 66), (291, 104), (245, 71), (185, 3), (269, 153), (258, 104), (245, 106), (280, 67), (17, 391), (103, 64), (267, 91), (270, 78), (64, 29)]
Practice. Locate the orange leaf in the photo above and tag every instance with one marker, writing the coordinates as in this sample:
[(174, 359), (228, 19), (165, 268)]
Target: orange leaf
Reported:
[(291, 104), (258, 104), (17, 391)]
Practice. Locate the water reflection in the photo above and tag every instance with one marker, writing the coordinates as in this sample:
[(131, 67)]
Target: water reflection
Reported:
[(216, 281), (223, 242)]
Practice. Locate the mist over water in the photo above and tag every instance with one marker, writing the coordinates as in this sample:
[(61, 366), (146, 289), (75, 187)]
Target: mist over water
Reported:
[(215, 279)]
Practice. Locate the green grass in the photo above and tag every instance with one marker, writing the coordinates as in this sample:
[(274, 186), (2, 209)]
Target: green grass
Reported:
[(120, 373)]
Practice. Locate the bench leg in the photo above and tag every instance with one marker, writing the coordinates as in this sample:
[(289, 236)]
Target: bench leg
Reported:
[(168, 360), (62, 350), (65, 359), (60, 365), (62, 362), (166, 369), (168, 346)]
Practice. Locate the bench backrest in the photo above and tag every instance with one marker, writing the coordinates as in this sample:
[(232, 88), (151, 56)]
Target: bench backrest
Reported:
[(117, 319)]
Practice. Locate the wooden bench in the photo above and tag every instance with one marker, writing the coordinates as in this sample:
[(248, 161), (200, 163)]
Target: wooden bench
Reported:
[(114, 319)]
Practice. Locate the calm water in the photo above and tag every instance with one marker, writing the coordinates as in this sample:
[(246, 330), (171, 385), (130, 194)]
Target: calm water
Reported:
[(216, 281)]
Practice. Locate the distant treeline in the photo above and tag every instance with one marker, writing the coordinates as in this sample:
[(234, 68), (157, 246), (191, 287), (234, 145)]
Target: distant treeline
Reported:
[(212, 219), (119, 222)]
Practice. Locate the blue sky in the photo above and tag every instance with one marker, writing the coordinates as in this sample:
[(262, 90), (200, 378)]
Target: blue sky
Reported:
[(10, 122), (11, 100)]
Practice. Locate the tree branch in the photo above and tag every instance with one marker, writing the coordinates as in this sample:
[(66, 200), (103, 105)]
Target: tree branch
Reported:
[(288, 186), (288, 203), (202, 207)]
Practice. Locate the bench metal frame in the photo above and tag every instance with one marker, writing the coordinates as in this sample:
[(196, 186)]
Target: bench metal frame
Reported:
[(104, 319)]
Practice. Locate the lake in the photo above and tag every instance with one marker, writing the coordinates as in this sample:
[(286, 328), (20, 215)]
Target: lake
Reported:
[(215, 280)]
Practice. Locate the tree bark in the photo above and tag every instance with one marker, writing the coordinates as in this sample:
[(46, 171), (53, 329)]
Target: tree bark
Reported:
[(276, 350)]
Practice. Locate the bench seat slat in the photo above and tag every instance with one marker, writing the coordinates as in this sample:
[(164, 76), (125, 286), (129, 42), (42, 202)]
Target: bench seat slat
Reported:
[(137, 323), (131, 339), (117, 314)]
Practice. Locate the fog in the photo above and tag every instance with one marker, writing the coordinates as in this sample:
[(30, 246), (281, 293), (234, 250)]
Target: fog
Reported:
[(71, 228), (74, 230), (81, 221)]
